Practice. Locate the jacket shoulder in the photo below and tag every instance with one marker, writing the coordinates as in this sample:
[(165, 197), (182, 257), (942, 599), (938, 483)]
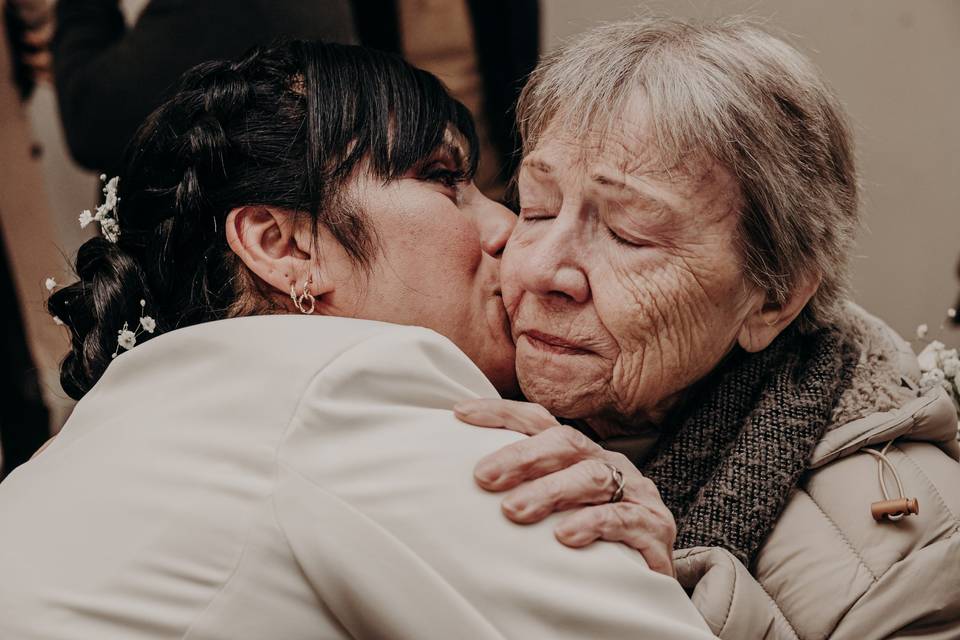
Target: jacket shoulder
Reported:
[(828, 557), (376, 490)]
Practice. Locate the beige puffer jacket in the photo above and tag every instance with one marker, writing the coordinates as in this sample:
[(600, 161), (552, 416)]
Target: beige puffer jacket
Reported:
[(828, 569)]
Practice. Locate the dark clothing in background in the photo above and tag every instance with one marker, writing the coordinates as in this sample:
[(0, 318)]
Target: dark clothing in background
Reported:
[(110, 78), (24, 419), (507, 37), (23, 416), (16, 27)]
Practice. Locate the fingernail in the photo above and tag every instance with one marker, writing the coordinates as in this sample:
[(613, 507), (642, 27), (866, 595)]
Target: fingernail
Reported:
[(571, 537), (486, 473), (515, 506)]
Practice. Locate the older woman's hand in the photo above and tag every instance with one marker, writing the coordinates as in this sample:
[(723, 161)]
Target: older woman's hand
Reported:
[(558, 469)]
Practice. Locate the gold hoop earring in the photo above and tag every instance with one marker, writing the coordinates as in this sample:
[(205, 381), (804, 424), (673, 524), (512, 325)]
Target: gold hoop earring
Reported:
[(300, 301), (306, 295)]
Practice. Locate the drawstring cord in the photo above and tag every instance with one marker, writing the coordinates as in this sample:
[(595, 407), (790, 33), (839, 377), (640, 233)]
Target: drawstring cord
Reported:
[(890, 509)]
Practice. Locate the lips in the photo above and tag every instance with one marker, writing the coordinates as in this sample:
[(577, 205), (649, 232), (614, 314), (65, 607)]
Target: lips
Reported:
[(553, 344)]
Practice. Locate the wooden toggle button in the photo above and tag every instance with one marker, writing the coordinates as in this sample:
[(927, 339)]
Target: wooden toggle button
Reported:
[(899, 507)]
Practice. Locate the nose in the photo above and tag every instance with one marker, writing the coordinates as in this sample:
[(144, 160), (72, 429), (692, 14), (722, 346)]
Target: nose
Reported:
[(549, 258), (495, 223)]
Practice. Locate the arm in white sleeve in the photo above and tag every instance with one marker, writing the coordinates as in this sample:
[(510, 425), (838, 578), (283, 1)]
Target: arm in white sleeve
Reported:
[(377, 500)]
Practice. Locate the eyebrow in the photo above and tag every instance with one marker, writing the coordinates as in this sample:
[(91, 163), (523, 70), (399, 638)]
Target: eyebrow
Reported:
[(537, 164), (607, 181)]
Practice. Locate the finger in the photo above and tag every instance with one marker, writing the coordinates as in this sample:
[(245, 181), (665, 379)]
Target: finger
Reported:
[(544, 453), (630, 524), (587, 482), (523, 417)]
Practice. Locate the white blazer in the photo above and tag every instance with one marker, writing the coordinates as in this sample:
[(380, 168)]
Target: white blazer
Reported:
[(285, 477)]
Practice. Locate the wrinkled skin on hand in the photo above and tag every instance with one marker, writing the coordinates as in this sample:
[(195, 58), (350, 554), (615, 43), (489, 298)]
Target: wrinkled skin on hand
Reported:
[(559, 469)]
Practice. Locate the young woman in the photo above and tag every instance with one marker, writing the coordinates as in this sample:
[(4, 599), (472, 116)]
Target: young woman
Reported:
[(264, 445)]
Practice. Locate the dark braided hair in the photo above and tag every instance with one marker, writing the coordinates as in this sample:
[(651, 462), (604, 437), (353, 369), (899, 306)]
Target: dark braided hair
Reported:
[(285, 126)]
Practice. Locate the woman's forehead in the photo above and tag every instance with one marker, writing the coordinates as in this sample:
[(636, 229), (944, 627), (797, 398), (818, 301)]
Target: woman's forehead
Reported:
[(623, 159), (615, 156), (628, 138)]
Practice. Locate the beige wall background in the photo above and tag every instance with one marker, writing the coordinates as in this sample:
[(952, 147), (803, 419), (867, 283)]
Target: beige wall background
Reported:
[(896, 66)]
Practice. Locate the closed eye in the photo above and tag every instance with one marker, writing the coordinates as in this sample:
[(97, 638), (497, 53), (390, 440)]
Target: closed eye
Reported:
[(535, 214), (623, 241), (440, 174)]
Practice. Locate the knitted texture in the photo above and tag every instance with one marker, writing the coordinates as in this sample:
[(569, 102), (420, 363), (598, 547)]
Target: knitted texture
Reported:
[(745, 437)]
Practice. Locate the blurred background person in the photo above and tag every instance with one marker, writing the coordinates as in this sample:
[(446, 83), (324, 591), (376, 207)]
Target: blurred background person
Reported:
[(482, 50), (109, 76), (30, 343)]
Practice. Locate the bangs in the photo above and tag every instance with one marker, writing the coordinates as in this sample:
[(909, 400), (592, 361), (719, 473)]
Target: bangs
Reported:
[(373, 108)]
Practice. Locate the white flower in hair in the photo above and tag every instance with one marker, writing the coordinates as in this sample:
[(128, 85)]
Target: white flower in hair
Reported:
[(50, 284), (126, 339), (106, 213), (110, 191), (149, 324), (110, 229)]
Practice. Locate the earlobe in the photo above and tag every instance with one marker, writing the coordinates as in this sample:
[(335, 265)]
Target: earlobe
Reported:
[(266, 241), (767, 320)]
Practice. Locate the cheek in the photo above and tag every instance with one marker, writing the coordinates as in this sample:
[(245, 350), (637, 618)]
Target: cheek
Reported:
[(668, 297), (672, 324), (439, 246), (511, 270)]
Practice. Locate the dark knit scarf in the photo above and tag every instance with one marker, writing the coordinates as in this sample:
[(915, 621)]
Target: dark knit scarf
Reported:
[(745, 436)]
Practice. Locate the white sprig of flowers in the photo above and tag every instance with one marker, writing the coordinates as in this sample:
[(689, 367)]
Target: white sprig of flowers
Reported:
[(940, 366), (127, 339), (106, 216), (106, 213)]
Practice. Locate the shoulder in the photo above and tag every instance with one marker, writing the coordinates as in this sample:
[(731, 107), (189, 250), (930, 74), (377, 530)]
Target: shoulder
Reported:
[(288, 344), (391, 388), (828, 568), (883, 401)]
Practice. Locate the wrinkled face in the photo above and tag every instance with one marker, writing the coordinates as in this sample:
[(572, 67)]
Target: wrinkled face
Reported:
[(438, 265), (621, 279)]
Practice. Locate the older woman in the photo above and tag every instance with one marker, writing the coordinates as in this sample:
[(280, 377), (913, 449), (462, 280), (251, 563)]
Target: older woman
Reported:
[(676, 286)]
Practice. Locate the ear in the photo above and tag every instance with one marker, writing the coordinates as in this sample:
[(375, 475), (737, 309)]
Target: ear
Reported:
[(272, 245), (767, 320)]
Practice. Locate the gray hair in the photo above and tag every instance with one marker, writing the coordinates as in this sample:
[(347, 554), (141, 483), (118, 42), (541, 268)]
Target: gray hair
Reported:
[(730, 92)]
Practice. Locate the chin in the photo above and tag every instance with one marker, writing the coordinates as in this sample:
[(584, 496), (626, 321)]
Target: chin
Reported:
[(565, 398)]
